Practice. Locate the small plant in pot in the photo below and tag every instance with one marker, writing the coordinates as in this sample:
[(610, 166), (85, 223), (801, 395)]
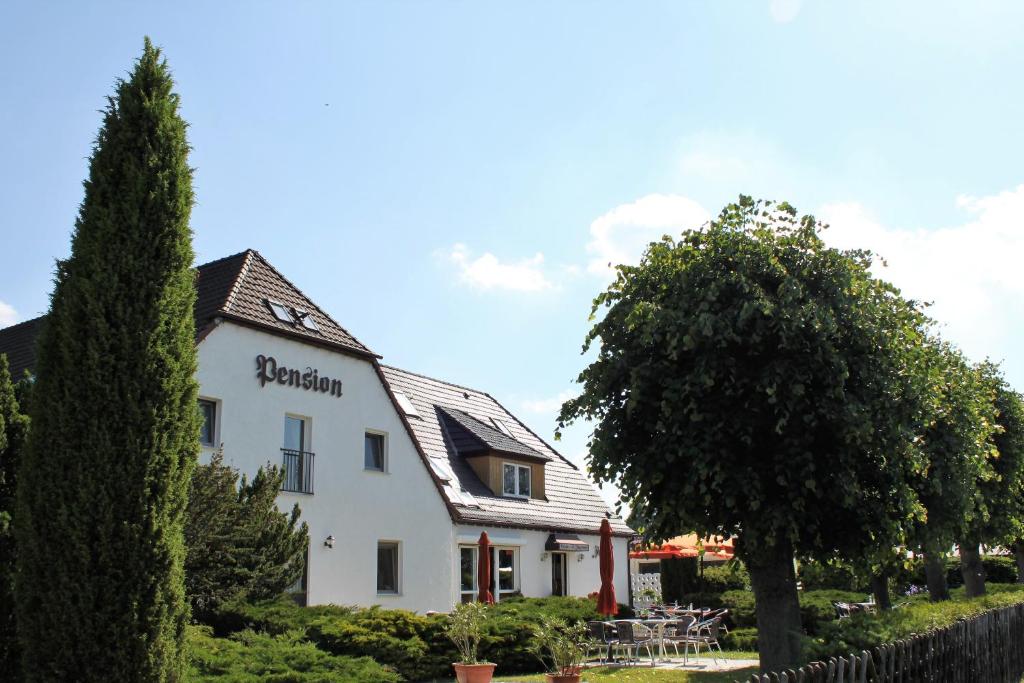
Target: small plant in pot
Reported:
[(561, 648), (465, 628)]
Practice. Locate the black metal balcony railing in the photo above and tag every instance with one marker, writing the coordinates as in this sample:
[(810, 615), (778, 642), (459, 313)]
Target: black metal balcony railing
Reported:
[(298, 471)]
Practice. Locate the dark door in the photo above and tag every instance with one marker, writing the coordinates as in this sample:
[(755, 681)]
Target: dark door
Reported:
[(559, 584)]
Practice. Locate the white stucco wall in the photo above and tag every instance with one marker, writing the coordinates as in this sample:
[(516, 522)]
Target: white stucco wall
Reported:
[(584, 575), (356, 506)]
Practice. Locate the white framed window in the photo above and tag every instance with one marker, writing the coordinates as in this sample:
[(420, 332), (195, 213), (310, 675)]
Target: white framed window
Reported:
[(504, 572), (297, 455), (406, 405), (388, 568), (469, 589), (375, 451), (208, 430), (515, 480), (306, 320)]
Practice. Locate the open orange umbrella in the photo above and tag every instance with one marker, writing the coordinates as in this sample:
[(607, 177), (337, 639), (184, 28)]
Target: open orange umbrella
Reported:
[(606, 597), (483, 570)]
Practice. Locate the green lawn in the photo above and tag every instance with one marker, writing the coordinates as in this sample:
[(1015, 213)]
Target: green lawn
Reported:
[(643, 674)]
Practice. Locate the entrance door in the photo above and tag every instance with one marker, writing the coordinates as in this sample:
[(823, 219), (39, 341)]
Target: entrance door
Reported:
[(559, 574)]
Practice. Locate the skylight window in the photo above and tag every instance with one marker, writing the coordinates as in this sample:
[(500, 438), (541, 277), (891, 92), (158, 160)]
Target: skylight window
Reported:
[(306, 320), (502, 427), (280, 311), (406, 405)]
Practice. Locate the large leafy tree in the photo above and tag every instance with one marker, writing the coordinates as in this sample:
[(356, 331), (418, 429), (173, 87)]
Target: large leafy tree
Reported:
[(1000, 502), (957, 441), (752, 382), (115, 428), (239, 544), (13, 433)]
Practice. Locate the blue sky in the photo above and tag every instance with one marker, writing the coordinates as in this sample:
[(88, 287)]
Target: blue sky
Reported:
[(447, 178)]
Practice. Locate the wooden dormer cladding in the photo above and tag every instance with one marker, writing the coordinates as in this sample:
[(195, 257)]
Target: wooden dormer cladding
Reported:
[(489, 466)]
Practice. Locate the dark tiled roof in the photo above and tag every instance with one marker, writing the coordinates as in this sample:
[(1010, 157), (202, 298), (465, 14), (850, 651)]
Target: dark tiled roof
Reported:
[(572, 502), (19, 343), (238, 287), (469, 435), (234, 287)]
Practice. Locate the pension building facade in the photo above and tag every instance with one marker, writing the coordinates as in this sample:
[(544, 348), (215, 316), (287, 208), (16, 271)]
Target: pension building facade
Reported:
[(396, 474)]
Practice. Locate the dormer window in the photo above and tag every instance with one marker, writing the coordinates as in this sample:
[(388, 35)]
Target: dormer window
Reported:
[(280, 311), (515, 480), (406, 405)]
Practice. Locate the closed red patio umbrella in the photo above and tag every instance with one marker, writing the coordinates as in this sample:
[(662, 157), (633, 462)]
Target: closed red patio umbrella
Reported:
[(606, 597), (483, 570)]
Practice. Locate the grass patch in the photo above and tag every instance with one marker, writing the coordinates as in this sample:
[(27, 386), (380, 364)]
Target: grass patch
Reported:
[(640, 674)]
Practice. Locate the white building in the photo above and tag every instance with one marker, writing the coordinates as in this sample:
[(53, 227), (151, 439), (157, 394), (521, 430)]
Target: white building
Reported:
[(396, 474)]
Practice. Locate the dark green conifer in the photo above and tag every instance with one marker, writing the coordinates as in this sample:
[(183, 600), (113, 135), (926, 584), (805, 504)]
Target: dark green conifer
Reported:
[(115, 428)]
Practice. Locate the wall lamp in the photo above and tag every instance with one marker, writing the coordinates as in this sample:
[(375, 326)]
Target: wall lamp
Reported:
[(329, 541)]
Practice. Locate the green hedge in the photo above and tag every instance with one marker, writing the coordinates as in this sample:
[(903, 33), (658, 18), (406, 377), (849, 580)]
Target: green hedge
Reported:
[(248, 657), (865, 631), (815, 607), (411, 644), (743, 639)]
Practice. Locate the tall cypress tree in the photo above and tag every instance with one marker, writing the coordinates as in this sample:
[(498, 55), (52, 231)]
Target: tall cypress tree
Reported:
[(115, 428)]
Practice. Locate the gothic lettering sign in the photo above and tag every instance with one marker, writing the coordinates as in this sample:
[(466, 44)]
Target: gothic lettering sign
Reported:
[(269, 371)]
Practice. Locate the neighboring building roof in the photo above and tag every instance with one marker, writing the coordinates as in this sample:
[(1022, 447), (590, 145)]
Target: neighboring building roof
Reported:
[(572, 502), (19, 343), (235, 287), (471, 436)]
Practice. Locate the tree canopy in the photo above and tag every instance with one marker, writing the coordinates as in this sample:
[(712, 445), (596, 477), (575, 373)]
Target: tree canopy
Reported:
[(749, 378)]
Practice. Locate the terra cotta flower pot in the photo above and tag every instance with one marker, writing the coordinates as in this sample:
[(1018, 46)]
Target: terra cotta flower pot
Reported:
[(474, 673), (563, 678)]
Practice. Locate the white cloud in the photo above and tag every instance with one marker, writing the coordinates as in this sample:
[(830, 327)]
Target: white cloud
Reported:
[(970, 271), (619, 236), (8, 316), (784, 11), (487, 272)]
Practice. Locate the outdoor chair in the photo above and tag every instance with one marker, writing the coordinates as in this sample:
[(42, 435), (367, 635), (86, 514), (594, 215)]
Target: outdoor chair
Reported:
[(633, 636), (601, 638), (707, 635), (842, 610), (679, 632)]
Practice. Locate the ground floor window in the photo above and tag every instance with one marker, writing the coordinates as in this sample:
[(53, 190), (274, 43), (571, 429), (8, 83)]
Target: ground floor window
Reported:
[(387, 567), (504, 572)]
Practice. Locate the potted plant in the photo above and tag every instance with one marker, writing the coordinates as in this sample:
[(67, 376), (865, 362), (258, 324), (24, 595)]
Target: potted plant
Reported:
[(465, 628), (562, 645)]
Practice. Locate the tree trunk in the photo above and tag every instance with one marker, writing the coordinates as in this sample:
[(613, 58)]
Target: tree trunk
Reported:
[(880, 589), (778, 607), (972, 569), (935, 574), (1018, 552)]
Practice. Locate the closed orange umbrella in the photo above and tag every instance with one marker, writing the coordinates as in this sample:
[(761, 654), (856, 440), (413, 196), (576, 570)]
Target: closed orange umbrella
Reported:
[(483, 570), (606, 597)]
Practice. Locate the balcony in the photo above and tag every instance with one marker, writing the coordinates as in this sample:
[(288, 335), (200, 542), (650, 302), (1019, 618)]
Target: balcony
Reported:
[(298, 471)]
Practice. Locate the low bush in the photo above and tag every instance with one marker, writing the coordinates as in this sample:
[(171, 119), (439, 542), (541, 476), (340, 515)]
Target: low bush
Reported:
[(865, 631), (744, 639), (815, 607), (725, 577), (741, 608), (248, 657)]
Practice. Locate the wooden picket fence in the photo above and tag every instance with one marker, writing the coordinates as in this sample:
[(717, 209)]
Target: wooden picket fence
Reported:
[(988, 648)]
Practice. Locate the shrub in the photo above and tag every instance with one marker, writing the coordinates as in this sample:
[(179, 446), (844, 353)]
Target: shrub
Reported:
[(832, 575), (744, 639), (865, 631), (249, 656), (741, 608), (726, 577), (816, 607)]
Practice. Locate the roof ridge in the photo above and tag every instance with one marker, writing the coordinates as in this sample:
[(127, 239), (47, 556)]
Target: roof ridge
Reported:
[(434, 379), (310, 300), (222, 258), (236, 285)]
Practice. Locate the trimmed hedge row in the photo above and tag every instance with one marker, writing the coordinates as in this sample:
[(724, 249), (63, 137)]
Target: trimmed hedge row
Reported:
[(411, 644)]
